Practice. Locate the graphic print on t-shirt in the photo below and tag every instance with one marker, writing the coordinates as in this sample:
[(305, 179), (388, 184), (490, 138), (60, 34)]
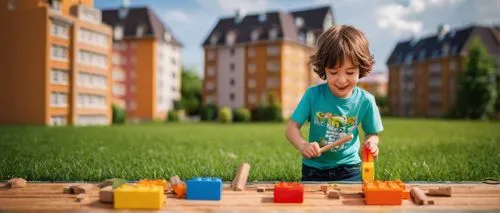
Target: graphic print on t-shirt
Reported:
[(337, 127)]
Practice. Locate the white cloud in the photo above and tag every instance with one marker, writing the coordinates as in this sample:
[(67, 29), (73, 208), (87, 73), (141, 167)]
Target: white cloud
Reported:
[(244, 5), (176, 15), (396, 16)]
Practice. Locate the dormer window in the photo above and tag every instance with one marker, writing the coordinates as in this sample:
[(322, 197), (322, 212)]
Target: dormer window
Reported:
[(328, 22), (310, 38), (446, 49), (167, 36), (55, 4), (255, 35), (213, 39), (273, 34), (118, 32), (299, 22), (302, 37), (230, 37), (140, 30), (262, 17), (422, 55)]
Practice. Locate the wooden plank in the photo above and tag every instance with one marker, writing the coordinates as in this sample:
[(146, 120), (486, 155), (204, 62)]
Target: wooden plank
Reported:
[(50, 197)]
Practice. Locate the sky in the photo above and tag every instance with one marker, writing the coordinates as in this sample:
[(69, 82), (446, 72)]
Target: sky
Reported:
[(384, 22)]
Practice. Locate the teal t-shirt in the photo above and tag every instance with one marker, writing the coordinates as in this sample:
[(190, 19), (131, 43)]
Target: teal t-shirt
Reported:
[(332, 118)]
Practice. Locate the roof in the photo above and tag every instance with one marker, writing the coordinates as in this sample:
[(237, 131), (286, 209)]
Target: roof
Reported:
[(136, 18), (451, 44), (282, 22)]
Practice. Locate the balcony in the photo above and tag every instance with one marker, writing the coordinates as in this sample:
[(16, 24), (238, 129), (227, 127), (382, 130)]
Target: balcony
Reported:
[(88, 14)]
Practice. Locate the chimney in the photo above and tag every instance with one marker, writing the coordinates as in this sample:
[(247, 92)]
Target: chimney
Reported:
[(123, 11), (238, 16), (442, 30)]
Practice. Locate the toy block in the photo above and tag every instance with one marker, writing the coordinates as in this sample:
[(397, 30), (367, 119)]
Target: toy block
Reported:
[(204, 189), (81, 198), (324, 188), (175, 180), (285, 192), (180, 190), (158, 182), (366, 155), (16, 183), (406, 194), (441, 191), (334, 194), (138, 197), (368, 171), (115, 182), (240, 180), (261, 189), (419, 196), (106, 194), (82, 188), (383, 192), (68, 190)]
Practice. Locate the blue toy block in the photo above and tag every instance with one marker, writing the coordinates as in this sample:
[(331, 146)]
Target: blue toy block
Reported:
[(199, 188)]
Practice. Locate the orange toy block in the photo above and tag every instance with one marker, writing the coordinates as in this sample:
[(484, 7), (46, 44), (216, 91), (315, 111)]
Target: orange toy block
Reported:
[(180, 190), (157, 182), (383, 192)]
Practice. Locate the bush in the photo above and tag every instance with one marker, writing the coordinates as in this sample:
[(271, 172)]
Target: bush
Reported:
[(208, 112), (241, 115), (118, 115), (270, 112), (225, 115), (172, 116)]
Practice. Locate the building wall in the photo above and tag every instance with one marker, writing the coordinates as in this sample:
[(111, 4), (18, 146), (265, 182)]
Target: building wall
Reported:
[(23, 77), (295, 76), (168, 78), (231, 66), (145, 83), (209, 89)]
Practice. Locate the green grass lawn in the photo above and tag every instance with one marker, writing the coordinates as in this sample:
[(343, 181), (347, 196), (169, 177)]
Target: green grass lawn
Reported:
[(411, 150)]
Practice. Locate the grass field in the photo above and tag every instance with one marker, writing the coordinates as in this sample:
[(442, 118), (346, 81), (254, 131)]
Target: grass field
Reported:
[(411, 150)]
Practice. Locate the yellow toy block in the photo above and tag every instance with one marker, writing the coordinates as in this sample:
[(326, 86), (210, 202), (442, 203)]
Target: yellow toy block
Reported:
[(139, 197), (368, 171)]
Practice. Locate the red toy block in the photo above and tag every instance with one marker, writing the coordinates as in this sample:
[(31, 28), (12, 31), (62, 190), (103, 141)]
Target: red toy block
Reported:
[(288, 192), (366, 155)]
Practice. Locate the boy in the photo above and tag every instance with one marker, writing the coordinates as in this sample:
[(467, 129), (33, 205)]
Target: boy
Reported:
[(335, 108)]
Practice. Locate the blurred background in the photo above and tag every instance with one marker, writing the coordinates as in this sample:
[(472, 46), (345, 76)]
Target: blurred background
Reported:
[(104, 85)]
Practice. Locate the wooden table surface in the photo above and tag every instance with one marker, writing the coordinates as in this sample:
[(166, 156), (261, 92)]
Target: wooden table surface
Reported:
[(50, 197)]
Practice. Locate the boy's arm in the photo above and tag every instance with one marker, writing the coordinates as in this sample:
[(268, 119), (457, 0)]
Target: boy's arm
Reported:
[(294, 136), (372, 126)]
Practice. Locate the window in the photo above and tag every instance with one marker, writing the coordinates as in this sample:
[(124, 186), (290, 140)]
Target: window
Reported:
[(93, 59), (213, 39), (262, 17), (251, 68), (273, 50), (255, 35), (173, 61), (209, 99), (210, 71), (310, 38), (58, 120), (140, 30), (251, 52), (453, 64), (252, 83), (299, 22), (231, 51), (272, 82), (118, 89), (230, 38), (210, 55), (252, 98), (118, 32), (58, 99), (210, 86), (328, 22), (91, 119), (55, 4), (59, 76), (273, 34), (231, 82), (231, 67), (272, 66), (92, 38), (59, 52), (91, 101), (92, 80), (231, 96), (60, 30), (11, 5), (167, 36)]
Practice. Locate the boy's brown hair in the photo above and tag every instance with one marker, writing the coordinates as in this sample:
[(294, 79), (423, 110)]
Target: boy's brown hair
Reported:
[(340, 41)]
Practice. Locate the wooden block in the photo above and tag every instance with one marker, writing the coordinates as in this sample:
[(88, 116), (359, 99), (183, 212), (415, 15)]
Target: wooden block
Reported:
[(106, 194), (261, 189), (83, 188), (175, 180), (81, 197), (240, 180), (333, 194), (419, 196), (441, 191), (67, 190), (109, 182), (16, 183), (324, 188)]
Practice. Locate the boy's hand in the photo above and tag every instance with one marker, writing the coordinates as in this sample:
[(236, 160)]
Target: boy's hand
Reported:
[(310, 150), (371, 142)]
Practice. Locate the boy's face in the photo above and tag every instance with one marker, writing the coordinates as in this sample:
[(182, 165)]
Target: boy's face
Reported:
[(342, 79)]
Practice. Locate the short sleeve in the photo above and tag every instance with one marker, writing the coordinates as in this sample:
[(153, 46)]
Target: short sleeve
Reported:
[(372, 122), (302, 112)]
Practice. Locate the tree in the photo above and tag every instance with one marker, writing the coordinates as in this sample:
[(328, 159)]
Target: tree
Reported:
[(477, 89), (190, 92)]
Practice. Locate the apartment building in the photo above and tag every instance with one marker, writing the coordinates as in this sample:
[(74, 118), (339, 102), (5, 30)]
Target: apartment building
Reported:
[(375, 83), (248, 57), (146, 63), (56, 63), (423, 72)]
